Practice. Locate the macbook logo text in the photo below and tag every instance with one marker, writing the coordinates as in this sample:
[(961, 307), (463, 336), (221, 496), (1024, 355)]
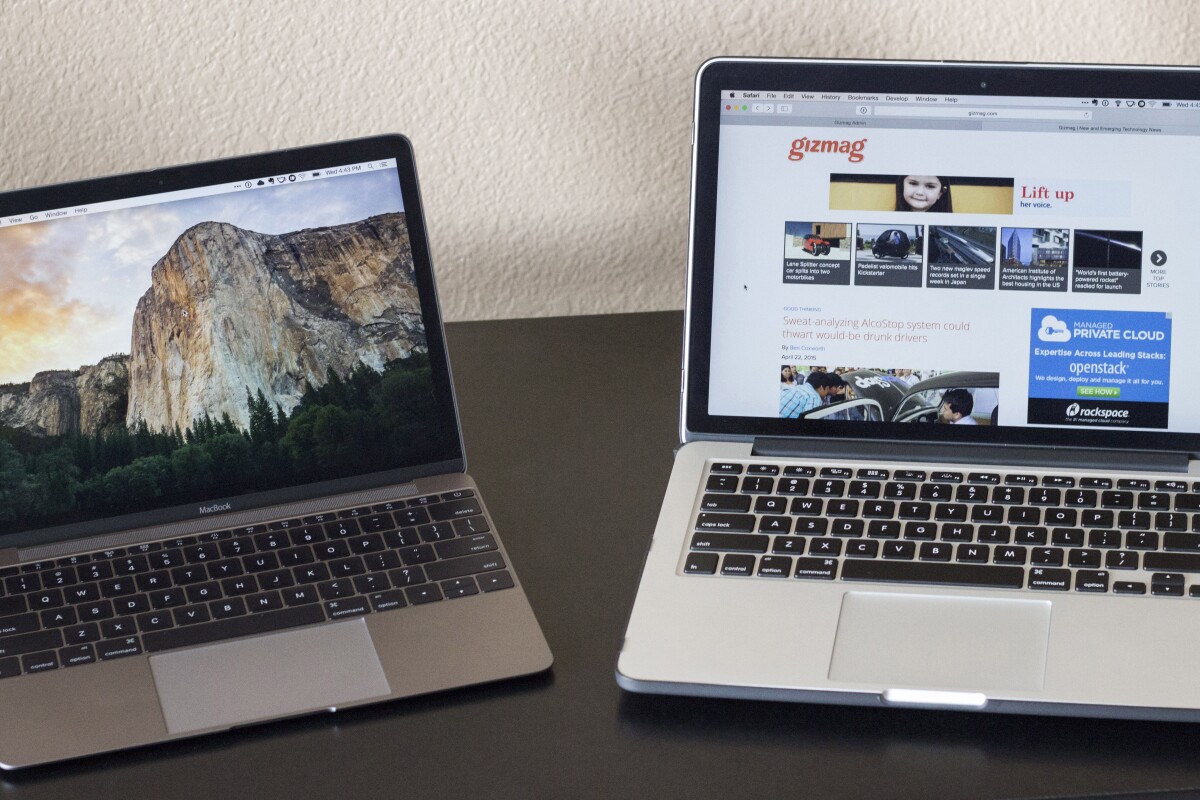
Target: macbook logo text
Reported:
[(215, 507), (853, 150)]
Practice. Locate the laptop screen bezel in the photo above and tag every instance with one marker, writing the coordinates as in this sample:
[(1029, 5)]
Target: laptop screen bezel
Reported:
[(199, 175), (896, 77)]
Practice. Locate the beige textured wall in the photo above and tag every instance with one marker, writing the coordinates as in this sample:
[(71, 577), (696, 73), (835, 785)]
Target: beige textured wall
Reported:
[(552, 136)]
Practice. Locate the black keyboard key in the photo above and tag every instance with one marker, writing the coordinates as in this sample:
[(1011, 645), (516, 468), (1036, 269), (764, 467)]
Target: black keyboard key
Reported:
[(1141, 540), (921, 531), (934, 573), (411, 576), (467, 565), (902, 550), (788, 545), (774, 567), (1116, 499), (775, 525), (1182, 542), (1005, 554), (1058, 480), (1134, 484), (793, 486), (1172, 562), (721, 483), (770, 504), (421, 554), (76, 655), (10, 667), (757, 485), (957, 533), (426, 593), (1050, 579), (738, 504), (58, 617), (812, 526), (800, 472), (994, 534), (81, 634), (39, 662), (1167, 584), (351, 607), (117, 628), (265, 622), (435, 531), (1129, 587), (19, 623), (1121, 559), (971, 493), (459, 587), (807, 506), (935, 551), (1096, 483), (386, 601), (730, 523), (973, 553), (1024, 515), (495, 581), (1067, 537), (1081, 558), (264, 602), (1066, 517), (226, 609), (345, 568), (366, 584), (1048, 556), (454, 548), (469, 526), (730, 542), (459, 508), (884, 529), (23, 643), (818, 568), (405, 537), (1091, 581), (846, 527), (1107, 539), (825, 547), (863, 548), (300, 595), (829, 488)]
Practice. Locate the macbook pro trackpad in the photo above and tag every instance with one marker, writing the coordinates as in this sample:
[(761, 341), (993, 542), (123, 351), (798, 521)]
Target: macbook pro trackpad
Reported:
[(231, 683), (933, 642)]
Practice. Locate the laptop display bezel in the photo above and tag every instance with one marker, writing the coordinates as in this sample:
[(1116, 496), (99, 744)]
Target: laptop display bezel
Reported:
[(193, 176), (882, 77)]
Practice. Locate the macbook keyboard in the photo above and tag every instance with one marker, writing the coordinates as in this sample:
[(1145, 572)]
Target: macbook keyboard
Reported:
[(198, 589), (1004, 529)]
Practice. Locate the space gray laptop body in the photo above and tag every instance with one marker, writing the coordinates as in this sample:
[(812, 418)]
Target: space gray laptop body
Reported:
[(938, 408), (232, 480)]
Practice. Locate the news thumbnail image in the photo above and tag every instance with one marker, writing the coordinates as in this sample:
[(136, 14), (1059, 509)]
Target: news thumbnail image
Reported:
[(961, 257), (888, 255), (888, 395), (817, 252), (1107, 262), (1034, 259)]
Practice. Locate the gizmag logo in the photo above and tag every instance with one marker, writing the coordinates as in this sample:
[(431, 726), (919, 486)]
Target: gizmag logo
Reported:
[(853, 150)]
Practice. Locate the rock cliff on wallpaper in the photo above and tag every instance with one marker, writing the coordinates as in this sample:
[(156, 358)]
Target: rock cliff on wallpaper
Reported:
[(229, 310), (91, 400)]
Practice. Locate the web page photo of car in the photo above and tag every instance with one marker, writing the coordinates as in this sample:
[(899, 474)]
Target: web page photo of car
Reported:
[(954, 397)]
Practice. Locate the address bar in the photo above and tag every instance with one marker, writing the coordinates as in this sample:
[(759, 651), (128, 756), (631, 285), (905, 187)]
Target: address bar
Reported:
[(974, 113)]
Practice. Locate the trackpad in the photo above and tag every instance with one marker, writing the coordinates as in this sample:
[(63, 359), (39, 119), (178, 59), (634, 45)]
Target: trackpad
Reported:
[(231, 683), (941, 642)]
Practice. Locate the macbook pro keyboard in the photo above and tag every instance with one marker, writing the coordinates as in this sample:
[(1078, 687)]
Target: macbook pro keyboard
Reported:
[(1002, 529)]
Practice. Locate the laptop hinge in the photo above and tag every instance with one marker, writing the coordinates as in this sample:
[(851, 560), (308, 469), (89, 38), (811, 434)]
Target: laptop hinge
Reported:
[(1013, 455)]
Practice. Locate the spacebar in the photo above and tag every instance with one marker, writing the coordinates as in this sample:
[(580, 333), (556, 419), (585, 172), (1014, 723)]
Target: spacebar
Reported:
[(949, 574), (263, 622)]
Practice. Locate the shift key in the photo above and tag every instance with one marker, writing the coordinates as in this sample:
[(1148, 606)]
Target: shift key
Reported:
[(468, 565), (30, 642)]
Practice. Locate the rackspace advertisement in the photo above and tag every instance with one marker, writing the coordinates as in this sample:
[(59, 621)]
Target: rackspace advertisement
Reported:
[(1102, 368)]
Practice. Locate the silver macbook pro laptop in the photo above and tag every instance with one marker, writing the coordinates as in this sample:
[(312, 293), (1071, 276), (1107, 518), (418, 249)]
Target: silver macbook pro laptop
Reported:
[(232, 481), (938, 406)]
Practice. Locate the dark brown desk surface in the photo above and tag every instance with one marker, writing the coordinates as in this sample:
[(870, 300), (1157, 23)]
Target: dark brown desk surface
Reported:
[(569, 426)]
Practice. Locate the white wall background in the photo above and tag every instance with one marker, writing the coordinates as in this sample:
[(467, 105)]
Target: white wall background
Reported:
[(552, 135)]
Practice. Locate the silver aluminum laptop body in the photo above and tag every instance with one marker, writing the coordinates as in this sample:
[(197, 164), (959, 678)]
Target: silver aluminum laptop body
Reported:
[(282, 280), (807, 158)]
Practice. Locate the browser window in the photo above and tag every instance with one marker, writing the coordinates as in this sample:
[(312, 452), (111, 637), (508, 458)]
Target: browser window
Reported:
[(957, 259)]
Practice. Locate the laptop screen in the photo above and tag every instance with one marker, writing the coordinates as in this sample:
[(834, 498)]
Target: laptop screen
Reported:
[(891, 254), (239, 331)]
